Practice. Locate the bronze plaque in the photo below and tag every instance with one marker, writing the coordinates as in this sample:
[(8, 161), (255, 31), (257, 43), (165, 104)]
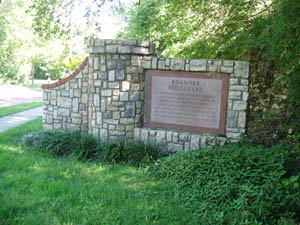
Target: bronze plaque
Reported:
[(186, 101)]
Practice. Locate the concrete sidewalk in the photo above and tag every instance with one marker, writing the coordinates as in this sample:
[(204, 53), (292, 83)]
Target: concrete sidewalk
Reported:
[(17, 119)]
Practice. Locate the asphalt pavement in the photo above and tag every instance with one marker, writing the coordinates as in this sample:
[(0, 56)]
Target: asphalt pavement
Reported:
[(12, 95)]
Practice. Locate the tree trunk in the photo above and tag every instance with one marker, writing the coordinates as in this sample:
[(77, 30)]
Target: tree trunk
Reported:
[(32, 74)]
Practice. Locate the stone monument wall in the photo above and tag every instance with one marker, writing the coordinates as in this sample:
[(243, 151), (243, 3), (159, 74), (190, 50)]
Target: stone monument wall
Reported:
[(66, 102), (110, 97)]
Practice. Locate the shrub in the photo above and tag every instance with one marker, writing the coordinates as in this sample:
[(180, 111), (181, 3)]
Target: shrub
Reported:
[(29, 139), (86, 147), (59, 143), (134, 153), (236, 184)]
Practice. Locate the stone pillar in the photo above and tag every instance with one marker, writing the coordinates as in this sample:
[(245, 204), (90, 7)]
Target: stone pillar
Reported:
[(116, 86)]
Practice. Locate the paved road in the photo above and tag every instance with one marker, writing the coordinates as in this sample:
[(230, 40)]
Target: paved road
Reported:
[(11, 95), (17, 119)]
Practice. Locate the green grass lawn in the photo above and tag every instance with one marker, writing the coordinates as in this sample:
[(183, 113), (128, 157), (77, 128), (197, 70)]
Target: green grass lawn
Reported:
[(9, 110), (37, 188), (33, 86)]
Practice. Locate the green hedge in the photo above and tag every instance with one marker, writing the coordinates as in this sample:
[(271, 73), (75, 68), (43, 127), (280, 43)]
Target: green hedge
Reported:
[(236, 184)]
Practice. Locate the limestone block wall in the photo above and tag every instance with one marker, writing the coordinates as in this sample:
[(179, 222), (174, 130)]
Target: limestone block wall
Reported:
[(66, 102), (116, 84), (176, 141), (106, 95)]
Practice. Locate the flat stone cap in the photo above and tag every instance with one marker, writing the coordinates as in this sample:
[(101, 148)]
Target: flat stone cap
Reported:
[(120, 46)]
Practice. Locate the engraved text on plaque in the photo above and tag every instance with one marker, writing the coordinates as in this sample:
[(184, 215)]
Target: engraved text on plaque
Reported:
[(186, 101)]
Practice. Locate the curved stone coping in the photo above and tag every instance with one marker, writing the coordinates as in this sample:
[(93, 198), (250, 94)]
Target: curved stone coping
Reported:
[(74, 74)]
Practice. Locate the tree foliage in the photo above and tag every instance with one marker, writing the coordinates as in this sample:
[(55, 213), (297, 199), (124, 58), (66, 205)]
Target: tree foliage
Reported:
[(54, 18), (195, 28), (8, 67), (22, 51)]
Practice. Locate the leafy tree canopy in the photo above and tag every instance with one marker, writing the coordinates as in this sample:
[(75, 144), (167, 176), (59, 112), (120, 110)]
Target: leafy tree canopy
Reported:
[(56, 17), (23, 52)]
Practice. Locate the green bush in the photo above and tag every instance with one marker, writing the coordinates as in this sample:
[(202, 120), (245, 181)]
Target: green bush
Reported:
[(134, 153), (58, 143), (86, 147), (236, 184)]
